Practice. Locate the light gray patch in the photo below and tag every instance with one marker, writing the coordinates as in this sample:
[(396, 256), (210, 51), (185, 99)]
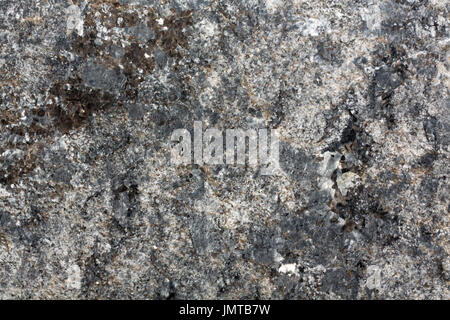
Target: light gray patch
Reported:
[(120, 206), (141, 2), (160, 58), (135, 111), (103, 78), (116, 51), (263, 243), (142, 32)]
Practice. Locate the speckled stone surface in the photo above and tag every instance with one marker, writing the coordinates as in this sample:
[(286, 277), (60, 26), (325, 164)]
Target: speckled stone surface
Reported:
[(92, 208)]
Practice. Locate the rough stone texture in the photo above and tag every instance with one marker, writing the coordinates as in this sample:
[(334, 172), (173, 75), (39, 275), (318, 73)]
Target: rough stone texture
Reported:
[(90, 206)]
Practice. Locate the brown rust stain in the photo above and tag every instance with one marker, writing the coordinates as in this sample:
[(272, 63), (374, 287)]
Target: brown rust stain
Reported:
[(77, 104), (171, 34), (23, 166), (71, 108), (80, 102)]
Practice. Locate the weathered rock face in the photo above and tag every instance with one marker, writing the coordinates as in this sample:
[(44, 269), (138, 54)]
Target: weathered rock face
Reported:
[(91, 207)]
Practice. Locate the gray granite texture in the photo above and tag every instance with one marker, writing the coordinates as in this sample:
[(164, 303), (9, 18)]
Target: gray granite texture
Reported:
[(91, 207)]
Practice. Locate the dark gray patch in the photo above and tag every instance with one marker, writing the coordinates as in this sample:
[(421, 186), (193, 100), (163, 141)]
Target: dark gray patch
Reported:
[(431, 126), (428, 188), (296, 163), (63, 175), (262, 244), (205, 235), (329, 51), (189, 186), (341, 282)]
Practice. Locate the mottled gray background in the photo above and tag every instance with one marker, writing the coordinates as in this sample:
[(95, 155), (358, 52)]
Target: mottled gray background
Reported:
[(90, 207)]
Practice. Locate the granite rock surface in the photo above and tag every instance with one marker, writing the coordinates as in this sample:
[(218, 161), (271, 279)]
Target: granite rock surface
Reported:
[(92, 208)]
